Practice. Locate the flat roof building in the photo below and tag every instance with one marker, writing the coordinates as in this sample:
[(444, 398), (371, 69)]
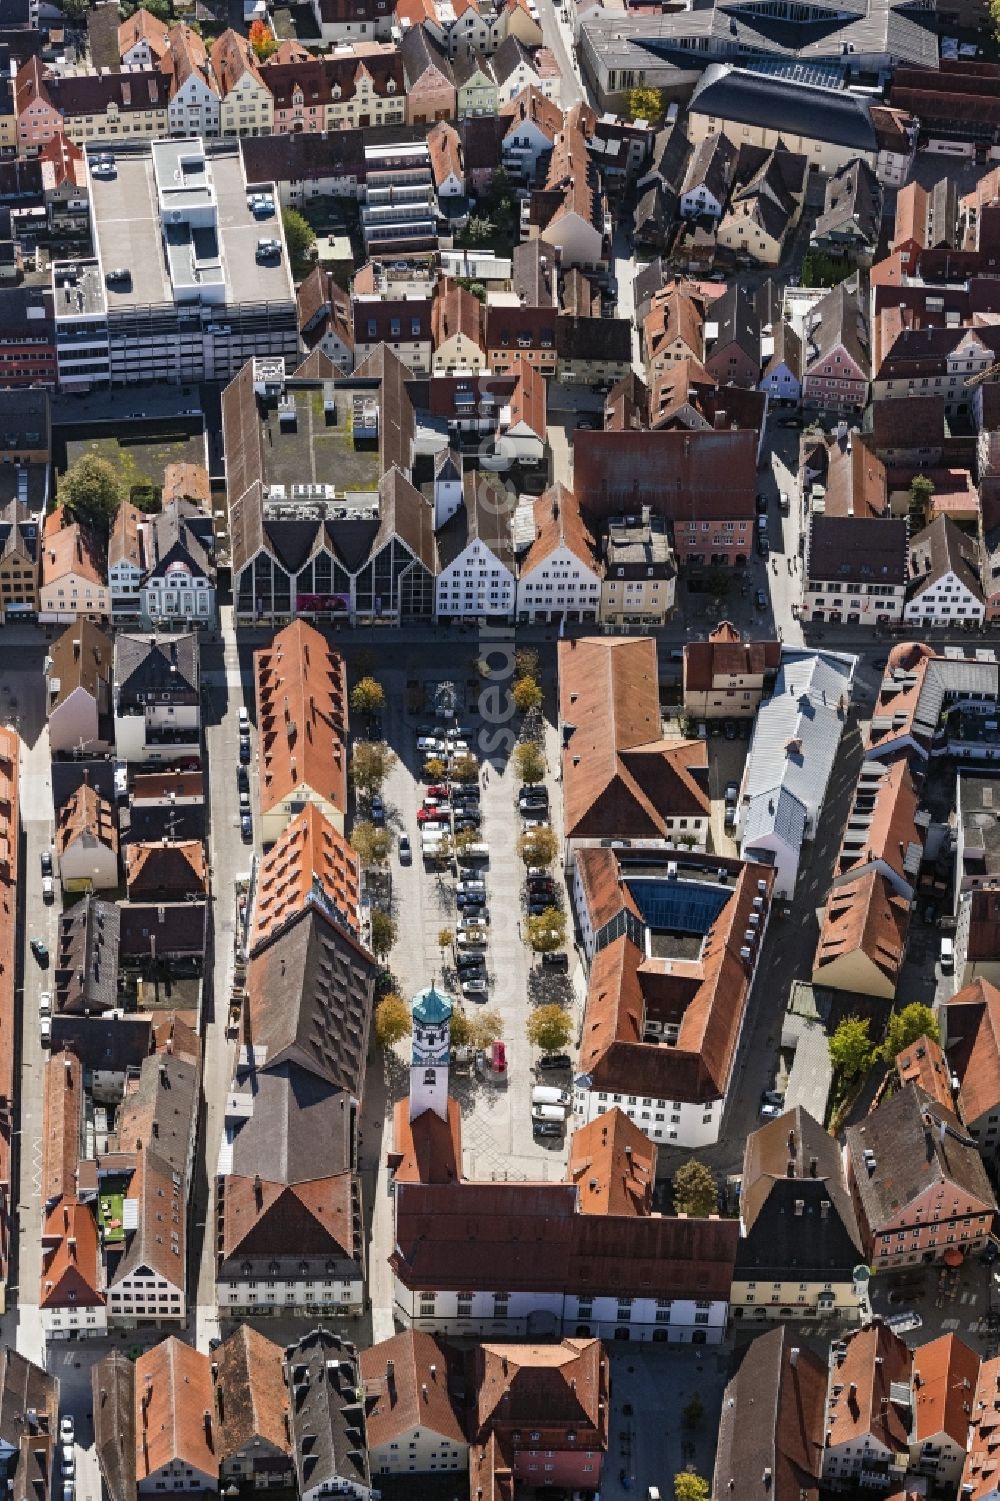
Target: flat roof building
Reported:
[(185, 284)]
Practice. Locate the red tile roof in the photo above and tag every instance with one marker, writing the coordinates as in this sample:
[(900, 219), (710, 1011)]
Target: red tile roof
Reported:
[(613, 1165), (311, 861), (302, 717)]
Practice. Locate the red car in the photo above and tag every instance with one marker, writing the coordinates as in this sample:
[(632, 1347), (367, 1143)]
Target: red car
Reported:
[(440, 791), (426, 814)]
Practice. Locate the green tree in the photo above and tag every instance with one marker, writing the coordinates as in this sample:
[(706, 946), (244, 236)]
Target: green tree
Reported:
[(477, 288), (371, 763), (464, 769), (75, 10), (370, 844), (921, 495), (367, 696), (392, 1020), (527, 695), (91, 491), (300, 237), (906, 1026), (460, 1028), (644, 104), (547, 930), (549, 1028), (434, 769), (529, 762), (383, 934), (851, 1050), (689, 1486), (695, 1192), (537, 847)]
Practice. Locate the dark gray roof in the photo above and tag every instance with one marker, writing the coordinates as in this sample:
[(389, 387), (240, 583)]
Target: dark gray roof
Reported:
[(712, 165), (736, 317), (487, 514), (86, 958), (940, 549), (310, 996), (419, 51), (852, 204), (789, 1162), (832, 115), (532, 266), (858, 549), (146, 822), (164, 930), (156, 664), (109, 1043), (329, 1432), (112, 1385), (787, 350), (508, 56), (915, 1143), (594, 339), (840, 319), (769, 301), (178, 531), (160, 1112), (302, 1128)]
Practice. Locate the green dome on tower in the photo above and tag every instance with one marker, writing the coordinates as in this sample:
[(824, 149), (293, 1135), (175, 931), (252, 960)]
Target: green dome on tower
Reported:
[(431, 1008)]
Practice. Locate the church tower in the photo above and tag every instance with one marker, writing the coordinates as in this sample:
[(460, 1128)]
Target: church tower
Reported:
[(431, 1013)]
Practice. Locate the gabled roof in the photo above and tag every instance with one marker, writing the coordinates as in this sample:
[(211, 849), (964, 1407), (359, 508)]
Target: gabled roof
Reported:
[(772, 1421), (620, 776), (71, 1258), (310, 863), (406, 1383), (839, 320), (166, 869), (864, 915), (971, 1030), (85, 819), (726, 654), (328, 1420), (156, 664), (62, 1118), (251, 1400), (302, 717), (71, 549), (173, 1386), (860, 1404), (310, 1001), (457, 311), (916, 1144), (113, 1401), (81, 657), (613, 1165), (558, 523), (143, 26), (940, 550), (944, 1394)]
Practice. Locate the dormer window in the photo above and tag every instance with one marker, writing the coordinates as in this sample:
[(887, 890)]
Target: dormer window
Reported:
[(335, 91)]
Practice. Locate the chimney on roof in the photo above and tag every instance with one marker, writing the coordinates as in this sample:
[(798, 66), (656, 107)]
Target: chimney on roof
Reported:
[(258, 1190), (791, 1143), (813, 1165), (793, 1356)]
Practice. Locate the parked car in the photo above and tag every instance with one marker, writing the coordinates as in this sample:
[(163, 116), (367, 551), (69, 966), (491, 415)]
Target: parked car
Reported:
[(376, 809), (947, 956), (48, 889), (431, 744), (732, 792), (559, 960), (245, 752), (472, 938), (467, 823), (730, 729), (459, 732), (539, 904), (471, 888), (40, 951), (429, 815), (46, 862), (546, 1129), (244, 801), (67, 1430), (438, 790), (553, 1062), (45, 1031), (242, 779), (403, 847), (770, 1112), (474, 986), (45, 1003), (904, 1323), (545, 889), (473, 922), (548, 1094), (760, 599), (533, 789), (244, 718), (68, 1461), (469, 963), (772, 1097), (246, 828)]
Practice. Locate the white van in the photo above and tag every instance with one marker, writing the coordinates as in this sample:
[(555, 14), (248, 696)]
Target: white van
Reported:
[(548, 1113), (947, 956), (473, 852), (547, 1094)]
